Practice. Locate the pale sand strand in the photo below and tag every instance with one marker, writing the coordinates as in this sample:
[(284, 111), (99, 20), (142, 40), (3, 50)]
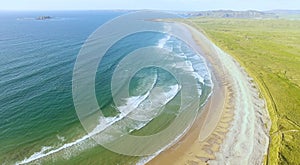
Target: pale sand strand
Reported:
[(247, 139), (233, 128)]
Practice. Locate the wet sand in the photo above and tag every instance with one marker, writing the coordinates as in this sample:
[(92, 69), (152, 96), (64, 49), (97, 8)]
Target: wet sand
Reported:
[(233, 126)]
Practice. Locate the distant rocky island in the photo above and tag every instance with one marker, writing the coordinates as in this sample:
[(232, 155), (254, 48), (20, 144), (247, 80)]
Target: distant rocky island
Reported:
[(43, 17)]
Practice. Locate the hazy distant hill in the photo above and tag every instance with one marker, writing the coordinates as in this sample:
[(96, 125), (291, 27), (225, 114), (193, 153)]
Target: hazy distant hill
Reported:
[(286, 14), (232, 14), (284, 11)]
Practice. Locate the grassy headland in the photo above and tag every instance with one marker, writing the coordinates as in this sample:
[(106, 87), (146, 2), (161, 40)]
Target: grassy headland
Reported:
[(269, 50)]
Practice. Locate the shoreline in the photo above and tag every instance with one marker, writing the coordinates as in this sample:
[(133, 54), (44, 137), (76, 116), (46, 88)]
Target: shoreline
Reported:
[(231, 123), (209, 140)]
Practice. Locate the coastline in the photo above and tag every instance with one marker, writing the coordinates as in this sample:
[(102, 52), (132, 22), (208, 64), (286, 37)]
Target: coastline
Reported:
[(234, 124)]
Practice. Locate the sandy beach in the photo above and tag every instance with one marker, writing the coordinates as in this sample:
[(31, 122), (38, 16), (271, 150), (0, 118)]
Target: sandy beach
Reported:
[(233, 126)]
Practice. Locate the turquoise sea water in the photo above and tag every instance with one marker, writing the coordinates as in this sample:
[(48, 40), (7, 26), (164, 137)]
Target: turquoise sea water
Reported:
[(38, 121)]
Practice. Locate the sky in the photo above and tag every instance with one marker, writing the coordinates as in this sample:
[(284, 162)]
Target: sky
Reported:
[(178, 5)]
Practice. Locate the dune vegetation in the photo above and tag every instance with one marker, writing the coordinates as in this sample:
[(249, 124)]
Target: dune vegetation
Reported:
[(269, 50)]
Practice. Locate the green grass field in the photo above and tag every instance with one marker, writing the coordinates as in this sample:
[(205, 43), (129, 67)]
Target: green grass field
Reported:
[(269, 50)]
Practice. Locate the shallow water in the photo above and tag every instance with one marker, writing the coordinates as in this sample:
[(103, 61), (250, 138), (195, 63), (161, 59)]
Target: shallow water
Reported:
[(38, 119)]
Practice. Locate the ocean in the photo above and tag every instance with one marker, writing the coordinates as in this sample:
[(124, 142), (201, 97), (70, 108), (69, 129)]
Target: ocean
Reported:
[(38, 120)]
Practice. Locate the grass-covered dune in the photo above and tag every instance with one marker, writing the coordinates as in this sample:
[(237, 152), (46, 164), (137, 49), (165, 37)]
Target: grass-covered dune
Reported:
[(269, 50)]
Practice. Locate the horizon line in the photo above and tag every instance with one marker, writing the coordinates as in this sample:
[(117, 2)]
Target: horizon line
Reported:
[(1, 10)]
